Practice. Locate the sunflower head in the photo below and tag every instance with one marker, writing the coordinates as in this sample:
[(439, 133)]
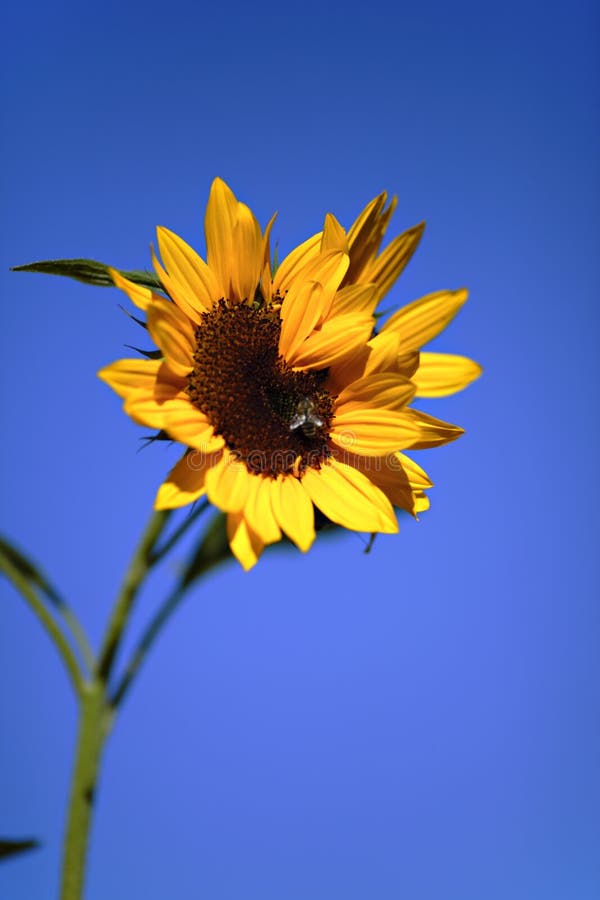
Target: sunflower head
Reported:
[(278, 385)]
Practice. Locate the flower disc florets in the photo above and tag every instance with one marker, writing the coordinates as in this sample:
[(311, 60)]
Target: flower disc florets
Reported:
[(251, 395)]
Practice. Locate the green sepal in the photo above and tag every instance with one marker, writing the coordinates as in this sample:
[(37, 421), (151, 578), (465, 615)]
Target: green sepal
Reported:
[(10, 848), (275, 265), (89, 271), (149, 354), (134, 318), (379, 314)]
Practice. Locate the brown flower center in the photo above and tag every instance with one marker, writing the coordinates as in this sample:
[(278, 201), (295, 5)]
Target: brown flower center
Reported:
[(275, 419)]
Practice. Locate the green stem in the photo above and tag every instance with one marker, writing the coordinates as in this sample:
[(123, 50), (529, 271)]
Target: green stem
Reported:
[(153, 630), (212, 550), (189, 520), (95, 716), (138, 569), (96, 709), (49, 623), (79, 637), (93, 731)]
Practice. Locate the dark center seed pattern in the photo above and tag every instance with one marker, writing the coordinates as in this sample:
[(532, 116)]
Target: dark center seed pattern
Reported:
[(252, 397)]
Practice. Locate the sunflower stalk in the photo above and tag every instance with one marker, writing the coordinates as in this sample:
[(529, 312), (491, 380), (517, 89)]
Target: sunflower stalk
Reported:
[(94, 727), (97, 704)]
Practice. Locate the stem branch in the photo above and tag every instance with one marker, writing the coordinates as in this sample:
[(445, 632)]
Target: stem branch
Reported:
[(47, 619), (189, 520), (138, 569), (151, 633), (38, 581)]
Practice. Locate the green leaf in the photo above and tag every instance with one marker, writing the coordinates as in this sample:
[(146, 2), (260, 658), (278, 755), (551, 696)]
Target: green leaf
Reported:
[(29, 571), (89, 271), (12, 848), (35, 577)]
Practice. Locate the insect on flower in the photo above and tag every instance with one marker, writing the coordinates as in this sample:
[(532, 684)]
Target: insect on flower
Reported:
[(306, 418)]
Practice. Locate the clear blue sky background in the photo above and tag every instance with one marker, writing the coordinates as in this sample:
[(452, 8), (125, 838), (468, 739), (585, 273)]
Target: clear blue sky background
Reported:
[(419, 723)]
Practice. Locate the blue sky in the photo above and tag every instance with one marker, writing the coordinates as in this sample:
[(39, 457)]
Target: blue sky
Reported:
[(421, 722)]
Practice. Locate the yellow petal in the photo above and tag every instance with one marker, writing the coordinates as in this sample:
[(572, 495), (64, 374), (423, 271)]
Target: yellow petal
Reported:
[(440, 374), (337, 339), (421, 321), (373, 432), (362, 228), (185, 482), (388, 474), (349, 498), (355, 298), (300, 312), (393, 260), (431, 431), (258, 510), (334, 236), (382, 390), (384, 353), (295, 261), (408, 363), (378, 355), (140, 296), (174, 290), (365, 236), (293, 510), (128, 375), (266, 276), (245, 545), (328, 269), (247, 259), (193, 277), (421, 502), (228, 483), (417, 477), (146, 406), (172, 331), (219, 224), (167, 408), (188, 425)]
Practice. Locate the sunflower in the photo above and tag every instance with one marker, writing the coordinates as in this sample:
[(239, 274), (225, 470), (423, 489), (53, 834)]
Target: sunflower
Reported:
[(278, 384)]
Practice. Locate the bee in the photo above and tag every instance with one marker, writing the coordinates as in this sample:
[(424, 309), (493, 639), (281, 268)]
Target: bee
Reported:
[(306, 418)]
